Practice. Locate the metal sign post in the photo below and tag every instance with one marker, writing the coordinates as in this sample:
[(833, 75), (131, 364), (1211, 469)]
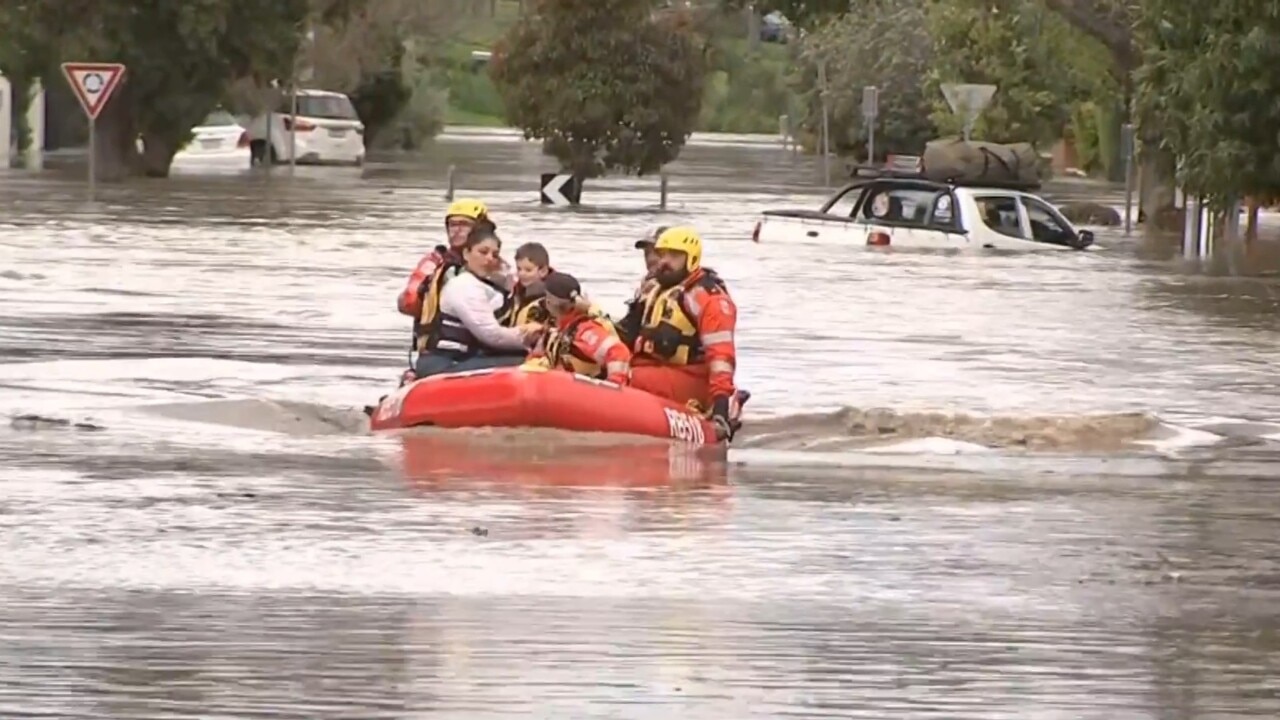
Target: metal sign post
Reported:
[(93, 84), (870, 111), (968, 101), (826, 135), (6, 89), (1126, 154)]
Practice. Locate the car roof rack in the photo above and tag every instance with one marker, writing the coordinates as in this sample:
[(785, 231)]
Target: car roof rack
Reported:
[(864, 172)]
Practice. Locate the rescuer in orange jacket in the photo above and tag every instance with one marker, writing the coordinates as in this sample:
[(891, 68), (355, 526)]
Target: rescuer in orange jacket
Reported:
[(685, 347), (580, 341), (459, 219)]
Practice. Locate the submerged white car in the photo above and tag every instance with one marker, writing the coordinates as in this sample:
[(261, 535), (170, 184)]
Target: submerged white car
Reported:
[(897, 210), (328, 131)]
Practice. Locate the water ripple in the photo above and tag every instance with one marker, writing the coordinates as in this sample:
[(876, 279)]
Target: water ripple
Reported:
[(220, 540)]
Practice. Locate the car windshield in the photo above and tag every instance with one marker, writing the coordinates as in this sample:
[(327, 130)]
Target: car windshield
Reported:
[(219, 118), (331, 107)]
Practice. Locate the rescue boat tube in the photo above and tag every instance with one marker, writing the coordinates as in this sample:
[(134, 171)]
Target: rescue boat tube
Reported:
[(530, 397), (432, 463)]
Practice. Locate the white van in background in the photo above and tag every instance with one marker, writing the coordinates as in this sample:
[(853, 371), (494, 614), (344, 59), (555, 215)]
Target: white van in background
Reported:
[(328, 131)]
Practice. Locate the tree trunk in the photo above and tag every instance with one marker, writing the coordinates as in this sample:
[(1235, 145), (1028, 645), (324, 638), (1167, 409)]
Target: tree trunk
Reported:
[(157, 154), (1158, 171), (115, 139), (1114, 117)]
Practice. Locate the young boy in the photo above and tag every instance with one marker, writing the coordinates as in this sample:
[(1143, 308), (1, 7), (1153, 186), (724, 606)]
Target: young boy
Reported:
[(579, 341), (528, 305)]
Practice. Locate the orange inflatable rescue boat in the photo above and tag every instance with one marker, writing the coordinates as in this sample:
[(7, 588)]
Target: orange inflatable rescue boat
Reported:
[(530, 397)]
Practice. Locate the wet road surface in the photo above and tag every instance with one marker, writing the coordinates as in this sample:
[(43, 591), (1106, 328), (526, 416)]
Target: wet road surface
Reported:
[(974, 486)]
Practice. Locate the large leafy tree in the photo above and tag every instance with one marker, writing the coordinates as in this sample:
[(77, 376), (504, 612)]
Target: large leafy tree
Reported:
[(607, 84), (377, 51), (1208, 79), (883, 43), (1040, 65), (180, 57)]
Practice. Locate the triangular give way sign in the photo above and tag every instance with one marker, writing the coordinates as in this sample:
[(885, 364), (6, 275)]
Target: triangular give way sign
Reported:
[(93, 83)]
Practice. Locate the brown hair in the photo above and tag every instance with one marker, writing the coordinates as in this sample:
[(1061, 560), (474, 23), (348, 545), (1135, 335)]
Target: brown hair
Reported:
[(535, 253), (479, 234)]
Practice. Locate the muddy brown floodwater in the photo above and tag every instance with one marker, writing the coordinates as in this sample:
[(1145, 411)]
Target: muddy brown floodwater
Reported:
[(972, 486)]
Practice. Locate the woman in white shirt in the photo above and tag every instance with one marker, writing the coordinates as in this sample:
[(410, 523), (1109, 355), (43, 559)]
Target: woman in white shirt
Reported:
[(466, 334)]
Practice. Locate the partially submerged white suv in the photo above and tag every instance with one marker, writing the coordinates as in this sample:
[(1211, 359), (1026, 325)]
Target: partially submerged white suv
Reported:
[(328, 131)]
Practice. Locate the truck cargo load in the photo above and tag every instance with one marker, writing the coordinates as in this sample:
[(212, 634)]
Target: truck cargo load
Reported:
[(981, 163)]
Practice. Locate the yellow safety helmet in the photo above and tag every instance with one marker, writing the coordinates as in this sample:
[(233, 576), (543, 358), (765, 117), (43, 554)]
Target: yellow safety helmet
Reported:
[(467, 208), (685, 240)]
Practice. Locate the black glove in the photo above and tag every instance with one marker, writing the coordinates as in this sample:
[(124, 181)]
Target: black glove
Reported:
[(720, 417)]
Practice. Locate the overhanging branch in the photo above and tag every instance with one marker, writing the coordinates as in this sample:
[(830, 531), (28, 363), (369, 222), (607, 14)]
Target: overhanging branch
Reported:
[(1108, 21)]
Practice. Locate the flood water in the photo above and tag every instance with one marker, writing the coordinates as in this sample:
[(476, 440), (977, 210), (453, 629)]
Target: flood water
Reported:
[(1022, 485)]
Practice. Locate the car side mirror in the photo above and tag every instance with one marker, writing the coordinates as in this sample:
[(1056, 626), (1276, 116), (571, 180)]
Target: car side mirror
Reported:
[(1083, 239)]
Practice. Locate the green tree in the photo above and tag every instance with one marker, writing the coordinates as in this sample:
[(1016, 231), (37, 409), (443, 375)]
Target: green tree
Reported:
[(607, 84), (882, 43), (746, 90), (180, 58), (22, 59), (1112, 23), (1041, 66), (1208, 79), (375, 51), (421, 114)]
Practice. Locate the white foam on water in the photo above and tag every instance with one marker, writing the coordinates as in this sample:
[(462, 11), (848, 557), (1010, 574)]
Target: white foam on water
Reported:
[(1183, 438), (930, 446)]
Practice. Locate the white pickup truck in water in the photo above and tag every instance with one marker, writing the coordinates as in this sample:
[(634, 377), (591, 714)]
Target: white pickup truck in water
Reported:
[(899, 210)]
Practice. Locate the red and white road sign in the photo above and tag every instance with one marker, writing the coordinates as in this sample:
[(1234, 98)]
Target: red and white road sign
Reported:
[(93, 84)]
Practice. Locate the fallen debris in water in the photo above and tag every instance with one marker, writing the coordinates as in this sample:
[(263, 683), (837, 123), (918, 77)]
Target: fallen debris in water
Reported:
[(40, 422)]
